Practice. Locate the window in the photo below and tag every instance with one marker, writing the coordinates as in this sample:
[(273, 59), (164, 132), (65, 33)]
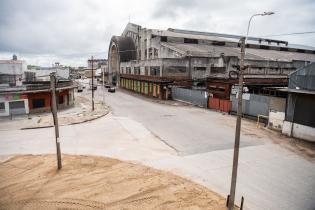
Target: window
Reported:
[(155, 70), (264, 47), (163, 38), (38, 103), (190, 41), (150, 52), (136, 70), (200, 68), (122, 70), (301, 51), (8, 79), (156, 53), (217, 69), (128, 70), (146, 70), (176, 69), (2, 107), (218, 43), (60, 99)]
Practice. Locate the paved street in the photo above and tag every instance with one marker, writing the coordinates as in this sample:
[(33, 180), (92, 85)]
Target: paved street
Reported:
[(189, 141), (189, 130)]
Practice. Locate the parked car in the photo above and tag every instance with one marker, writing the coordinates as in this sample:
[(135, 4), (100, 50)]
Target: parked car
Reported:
[(80, 88), (112, 90), (107, 85), (94, 85)]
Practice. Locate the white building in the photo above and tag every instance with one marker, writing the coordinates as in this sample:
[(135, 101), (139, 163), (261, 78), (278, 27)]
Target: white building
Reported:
[(11, 72), (43, 74)]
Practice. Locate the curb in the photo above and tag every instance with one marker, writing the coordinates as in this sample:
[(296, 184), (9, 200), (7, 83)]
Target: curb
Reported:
[(49, 126)]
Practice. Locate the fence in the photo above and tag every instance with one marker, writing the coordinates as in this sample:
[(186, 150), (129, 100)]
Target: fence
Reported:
[(254, 105), (195, 97)]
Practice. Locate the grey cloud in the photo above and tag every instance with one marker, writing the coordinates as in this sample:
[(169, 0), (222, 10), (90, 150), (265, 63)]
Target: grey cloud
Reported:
[(72, 29)]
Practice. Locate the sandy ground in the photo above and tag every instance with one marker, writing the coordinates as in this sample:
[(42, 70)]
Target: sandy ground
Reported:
[(89, 182)]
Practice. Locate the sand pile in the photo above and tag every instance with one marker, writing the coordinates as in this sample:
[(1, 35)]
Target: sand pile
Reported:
[(85, 182)]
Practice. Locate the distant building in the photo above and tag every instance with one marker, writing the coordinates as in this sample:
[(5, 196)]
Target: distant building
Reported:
[(11, 71), (149, 61), (100, 64), (31, 93), (42, 73), (97, 63)]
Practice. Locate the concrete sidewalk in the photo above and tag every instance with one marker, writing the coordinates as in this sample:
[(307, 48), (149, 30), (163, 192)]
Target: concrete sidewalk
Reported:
[(79, 113)]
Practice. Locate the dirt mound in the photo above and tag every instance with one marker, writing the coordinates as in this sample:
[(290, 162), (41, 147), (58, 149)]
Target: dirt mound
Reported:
[(85, 182)]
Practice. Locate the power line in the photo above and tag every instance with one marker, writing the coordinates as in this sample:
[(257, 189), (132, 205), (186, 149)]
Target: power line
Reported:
[(289, 34)]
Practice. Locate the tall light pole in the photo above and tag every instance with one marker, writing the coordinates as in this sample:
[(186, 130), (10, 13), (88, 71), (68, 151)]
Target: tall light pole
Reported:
[(92, 85), (239, 115)]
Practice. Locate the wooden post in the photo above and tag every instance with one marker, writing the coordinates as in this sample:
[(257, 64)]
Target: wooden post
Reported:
[(238, 128), (54, 113)]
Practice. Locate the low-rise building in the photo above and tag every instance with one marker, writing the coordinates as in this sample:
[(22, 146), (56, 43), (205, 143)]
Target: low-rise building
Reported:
[(300, 107), (30, 93)]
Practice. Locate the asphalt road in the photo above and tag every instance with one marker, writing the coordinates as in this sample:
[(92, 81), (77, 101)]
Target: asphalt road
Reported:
[(189, 130)]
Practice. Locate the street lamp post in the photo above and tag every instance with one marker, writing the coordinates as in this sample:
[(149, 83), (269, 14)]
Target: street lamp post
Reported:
[(231, 198)]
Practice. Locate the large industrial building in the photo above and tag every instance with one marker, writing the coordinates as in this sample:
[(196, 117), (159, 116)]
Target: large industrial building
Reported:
[(150, 61)]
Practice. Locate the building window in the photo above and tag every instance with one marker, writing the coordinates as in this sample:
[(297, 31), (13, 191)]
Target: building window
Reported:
[(122, 70), (200, 68), (176, 69), (60, 100), (155, 70), (128, 70), (156, 53), (217, 69), (190, 41), (136, 70), (146, 70), (38, 103), (150, 52), (2, 107), (8, 79), (163, 38), (218, 43)]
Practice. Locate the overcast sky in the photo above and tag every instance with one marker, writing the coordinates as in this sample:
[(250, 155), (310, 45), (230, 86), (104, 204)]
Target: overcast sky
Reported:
[(69, 31)]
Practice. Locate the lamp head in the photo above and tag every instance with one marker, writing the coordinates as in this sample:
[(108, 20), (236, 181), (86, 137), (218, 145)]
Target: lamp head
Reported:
[(267, 13)]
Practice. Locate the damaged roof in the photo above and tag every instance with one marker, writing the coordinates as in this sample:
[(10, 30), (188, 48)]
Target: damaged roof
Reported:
[(203, 50)]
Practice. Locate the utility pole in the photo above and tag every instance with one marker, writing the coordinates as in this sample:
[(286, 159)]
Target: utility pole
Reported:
[(103, 80), (238, 127), (54, 112), (239, 113), (92, 85)]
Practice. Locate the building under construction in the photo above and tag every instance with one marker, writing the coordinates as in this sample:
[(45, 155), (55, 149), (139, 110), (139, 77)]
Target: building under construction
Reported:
[(151, 61)]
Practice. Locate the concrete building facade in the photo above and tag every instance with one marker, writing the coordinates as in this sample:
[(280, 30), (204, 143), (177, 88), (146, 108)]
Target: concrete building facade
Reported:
[(173, 54)]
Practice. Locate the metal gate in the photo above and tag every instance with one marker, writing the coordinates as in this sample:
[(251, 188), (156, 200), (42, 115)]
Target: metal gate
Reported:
[(17, 107), (195, 97)]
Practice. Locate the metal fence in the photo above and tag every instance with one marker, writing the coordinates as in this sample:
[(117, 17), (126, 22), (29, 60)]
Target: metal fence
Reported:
[(254, 105), (195, 97)]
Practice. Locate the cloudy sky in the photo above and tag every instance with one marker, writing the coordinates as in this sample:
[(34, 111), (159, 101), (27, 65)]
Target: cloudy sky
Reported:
[(69, 31)]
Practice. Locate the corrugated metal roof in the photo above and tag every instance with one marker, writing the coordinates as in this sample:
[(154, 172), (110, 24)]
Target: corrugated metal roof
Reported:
[(204, 50), (303, 78)]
